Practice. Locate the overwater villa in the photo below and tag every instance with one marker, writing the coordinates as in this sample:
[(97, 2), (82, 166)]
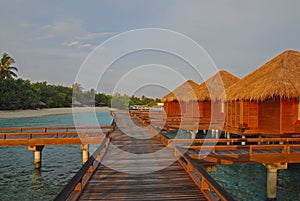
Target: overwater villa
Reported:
[(173, 105), (267, 100), (207, 101)]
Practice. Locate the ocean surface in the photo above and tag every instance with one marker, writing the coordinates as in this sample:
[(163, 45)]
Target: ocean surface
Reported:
[(248, 182), (19, 180)]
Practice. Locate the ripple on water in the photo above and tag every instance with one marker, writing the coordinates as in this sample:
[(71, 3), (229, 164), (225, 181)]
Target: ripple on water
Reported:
[(19, 180), (248, 182)]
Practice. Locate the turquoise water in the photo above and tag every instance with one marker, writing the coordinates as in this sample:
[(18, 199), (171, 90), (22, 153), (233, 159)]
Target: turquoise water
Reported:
[(19, 180), (248, 182)]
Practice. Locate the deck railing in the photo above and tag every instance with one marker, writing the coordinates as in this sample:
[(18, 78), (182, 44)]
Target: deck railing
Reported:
[(201, 177), (56, 128), (73, 189), (53, 135), (262, 141)]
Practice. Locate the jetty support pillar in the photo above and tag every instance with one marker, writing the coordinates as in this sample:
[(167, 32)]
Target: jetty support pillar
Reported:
[(217, 134), (85, 152), (272, 178), (244, 138), (209, 169), (228, 137), (37, 155), (193, 134)]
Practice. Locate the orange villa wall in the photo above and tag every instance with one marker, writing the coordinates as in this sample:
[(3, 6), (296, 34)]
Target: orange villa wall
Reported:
[(271, 117), (172, 108), (241, 115), (267, 117), (289, 116), (217, 114)]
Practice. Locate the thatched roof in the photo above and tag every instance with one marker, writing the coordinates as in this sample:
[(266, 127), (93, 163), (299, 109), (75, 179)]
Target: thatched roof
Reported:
[(280, 77), (213, 88), (179, 92), (41, 103), (76, 103)]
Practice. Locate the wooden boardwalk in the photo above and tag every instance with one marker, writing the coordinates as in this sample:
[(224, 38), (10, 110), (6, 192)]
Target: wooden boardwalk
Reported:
[(138, 167)]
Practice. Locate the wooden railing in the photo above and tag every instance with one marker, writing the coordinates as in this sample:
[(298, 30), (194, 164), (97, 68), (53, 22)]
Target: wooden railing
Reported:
[(271, 150), (230, 154), (201, 177), (160, 137), (73, 189), (204, 142), (56, 128), (53, 135)]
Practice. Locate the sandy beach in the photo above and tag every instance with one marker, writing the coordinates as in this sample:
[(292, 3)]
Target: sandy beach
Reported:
[(50, 111)]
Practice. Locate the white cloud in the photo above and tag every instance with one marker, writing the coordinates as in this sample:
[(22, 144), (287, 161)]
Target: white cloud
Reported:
[(78, 44), (80, 41), (91, 36), (66, 28)]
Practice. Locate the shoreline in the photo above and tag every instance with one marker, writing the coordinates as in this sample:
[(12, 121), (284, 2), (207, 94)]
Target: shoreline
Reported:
[(12, 114)]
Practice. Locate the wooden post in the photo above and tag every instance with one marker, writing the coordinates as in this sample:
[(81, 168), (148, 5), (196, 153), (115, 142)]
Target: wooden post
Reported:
[(272, 178), (193, 134), (37, 155), (243, 137), (212, 133), (204, 184), (228, 137), (85, 152), (241, 114), (259, 141), (209, 169), (217, 133), (280, 117)]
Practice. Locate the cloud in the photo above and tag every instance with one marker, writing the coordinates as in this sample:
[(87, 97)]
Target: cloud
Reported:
[(78, 44), (91, 36), (80, 41), (66, 28)]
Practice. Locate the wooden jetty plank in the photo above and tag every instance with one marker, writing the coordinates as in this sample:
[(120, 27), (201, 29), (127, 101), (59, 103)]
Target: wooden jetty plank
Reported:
[(134, 179)]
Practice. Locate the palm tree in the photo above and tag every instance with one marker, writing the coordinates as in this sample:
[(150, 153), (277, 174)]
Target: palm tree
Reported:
[(7, 71)]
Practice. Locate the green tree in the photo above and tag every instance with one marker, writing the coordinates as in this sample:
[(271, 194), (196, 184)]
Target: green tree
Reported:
[(6, 70), (18, 94)]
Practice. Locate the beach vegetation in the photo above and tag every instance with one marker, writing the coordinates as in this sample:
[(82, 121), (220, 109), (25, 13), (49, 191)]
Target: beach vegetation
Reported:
[(7, 71)]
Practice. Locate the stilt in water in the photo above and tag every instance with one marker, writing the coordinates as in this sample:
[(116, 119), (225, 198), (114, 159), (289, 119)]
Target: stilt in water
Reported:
[(85, 152), (228, 137), (272, 178), (37, 155)]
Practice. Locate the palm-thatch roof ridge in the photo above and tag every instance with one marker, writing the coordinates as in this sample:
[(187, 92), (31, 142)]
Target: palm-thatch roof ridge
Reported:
[(279, 77), (180, 92), (212, 89)]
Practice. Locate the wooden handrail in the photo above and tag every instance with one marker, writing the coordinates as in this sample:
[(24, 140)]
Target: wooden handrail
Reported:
[(245, 147), (191, 167), (45, 129), (33, 136), (160, 137), (45, 134), (75, 184), (233, 140)]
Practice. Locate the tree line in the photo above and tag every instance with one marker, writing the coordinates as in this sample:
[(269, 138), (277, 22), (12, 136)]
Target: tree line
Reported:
[(22, 94)]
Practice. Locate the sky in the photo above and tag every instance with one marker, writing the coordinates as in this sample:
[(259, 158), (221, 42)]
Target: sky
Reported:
[(63, 42)]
